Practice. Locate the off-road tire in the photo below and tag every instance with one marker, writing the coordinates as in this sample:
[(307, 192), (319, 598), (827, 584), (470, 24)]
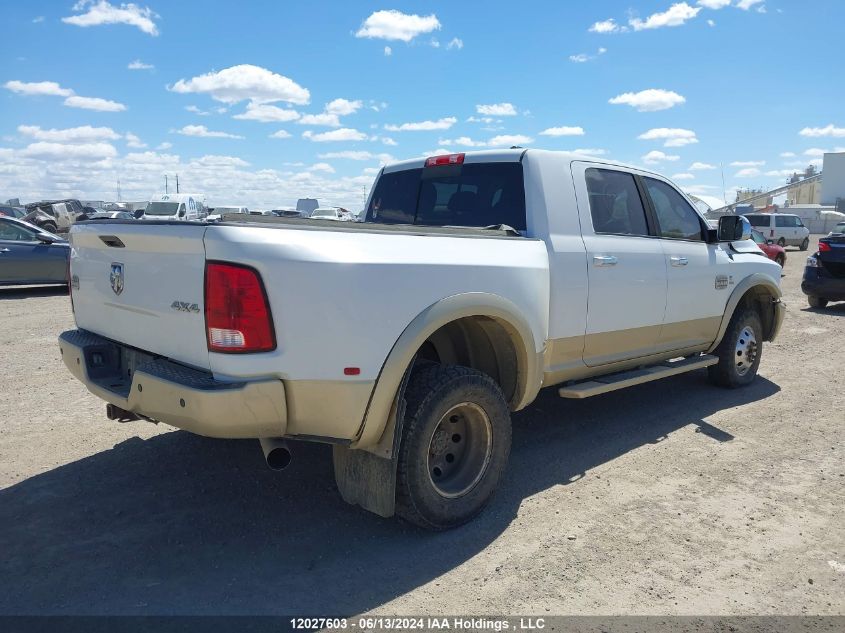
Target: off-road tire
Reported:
[(782, 243), (816, 302), (49, 227), (805, 244), (734, 369), (433, 391)]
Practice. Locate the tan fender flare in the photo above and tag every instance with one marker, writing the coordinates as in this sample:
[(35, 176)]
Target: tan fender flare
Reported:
[(530, 367), (752, 281)]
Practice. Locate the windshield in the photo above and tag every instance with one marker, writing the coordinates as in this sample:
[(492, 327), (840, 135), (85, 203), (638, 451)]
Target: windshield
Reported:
[(758, 237), (477, 194), (161, 208)]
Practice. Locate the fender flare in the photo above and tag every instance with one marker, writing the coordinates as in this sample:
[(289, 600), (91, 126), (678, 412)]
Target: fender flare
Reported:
[(752, 281), (382, 406)]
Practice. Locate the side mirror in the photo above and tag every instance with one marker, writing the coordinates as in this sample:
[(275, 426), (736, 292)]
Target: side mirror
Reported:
[(139, 213), (733, 228), (46, 239), (770, 241)]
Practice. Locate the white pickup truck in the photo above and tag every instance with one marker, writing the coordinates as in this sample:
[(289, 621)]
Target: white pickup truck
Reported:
[(406, 340)]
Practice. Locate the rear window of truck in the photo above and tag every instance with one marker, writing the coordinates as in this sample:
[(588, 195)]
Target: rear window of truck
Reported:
[(472, 195)]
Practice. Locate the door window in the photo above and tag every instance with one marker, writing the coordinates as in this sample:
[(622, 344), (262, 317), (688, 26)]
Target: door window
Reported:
[(14, 233), (782, 221), (676, 217), (615, 204)]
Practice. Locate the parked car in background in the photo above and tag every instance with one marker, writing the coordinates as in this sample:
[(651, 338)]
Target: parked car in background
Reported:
[(286, 213), (218, 212), (824, 274), (30, 255), (785, 229), (176, 206), (42, 220), (839, 228), (773, 251), (107, 215), (306, 206), (330, 213), (12, 212), (51, 216)]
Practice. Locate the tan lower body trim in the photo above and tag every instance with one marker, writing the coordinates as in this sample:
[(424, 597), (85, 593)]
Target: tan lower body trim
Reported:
[(327, 408)]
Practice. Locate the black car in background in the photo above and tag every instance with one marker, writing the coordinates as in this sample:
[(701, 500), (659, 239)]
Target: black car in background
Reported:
[(30, 255), (824, 274)]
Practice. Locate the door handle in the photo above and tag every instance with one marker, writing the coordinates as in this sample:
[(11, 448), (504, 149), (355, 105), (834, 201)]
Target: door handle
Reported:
[(4, 250), (679, 261), (604, 260)]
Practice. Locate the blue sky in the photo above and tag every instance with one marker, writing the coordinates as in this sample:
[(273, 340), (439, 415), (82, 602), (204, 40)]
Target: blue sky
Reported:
[(260, 103)]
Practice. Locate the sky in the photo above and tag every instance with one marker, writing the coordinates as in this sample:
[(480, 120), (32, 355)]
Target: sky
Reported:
[(261, 103)]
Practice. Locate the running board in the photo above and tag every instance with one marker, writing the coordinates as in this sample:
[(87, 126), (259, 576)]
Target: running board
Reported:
[(612, 382)]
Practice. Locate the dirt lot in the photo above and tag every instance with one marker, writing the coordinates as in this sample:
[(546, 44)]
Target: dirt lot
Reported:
[(669, 498)]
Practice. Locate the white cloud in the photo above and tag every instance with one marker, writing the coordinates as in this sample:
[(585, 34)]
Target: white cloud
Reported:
[(165, 145), (787, 154), (195, 110), (358, 155), (104, 13), (673, 137), (590, 151), (343, 107), (422, 126), (711, 22), (506, 140), (780, 173), (280, 134), (676, 15), (245, 82), (82, 134), (580, 58), (395, 25), (204, 132), (94, 103), (714, 4), (748, 172), (216, 160), (463, 141), (497, 109), (38, 88), (683, 176), (829, 130), (815, 151), (455, 42), (607, 26), (563, 131), (434, 43), (324, 167), (324, 118), (38, 19), (267, 113), (745, 5), (656, 156), (701, 166), (342, 134), (133, 141), (64, 152), (139, 65), (650, 100), (388, 51), (748, 163), (388, 141)]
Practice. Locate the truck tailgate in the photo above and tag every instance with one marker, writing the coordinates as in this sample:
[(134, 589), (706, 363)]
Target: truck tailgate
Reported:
[(141, 284)]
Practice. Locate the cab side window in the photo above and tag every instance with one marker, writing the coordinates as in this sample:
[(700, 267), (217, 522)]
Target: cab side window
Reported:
[(615, 203), (676, 217)]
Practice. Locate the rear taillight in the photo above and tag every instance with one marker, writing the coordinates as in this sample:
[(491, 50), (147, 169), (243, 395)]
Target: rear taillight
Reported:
[(446, 159), (824, 247), (237, 315)]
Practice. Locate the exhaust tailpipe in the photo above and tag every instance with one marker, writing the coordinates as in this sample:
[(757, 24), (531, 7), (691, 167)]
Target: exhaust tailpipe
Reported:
[(276, 452)]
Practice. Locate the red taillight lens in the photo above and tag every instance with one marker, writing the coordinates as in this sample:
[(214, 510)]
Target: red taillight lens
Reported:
[(824, 246), (237, 316), (446, 159)]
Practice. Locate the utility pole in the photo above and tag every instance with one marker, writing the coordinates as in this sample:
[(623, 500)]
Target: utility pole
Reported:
[(118, 189), (724, 193), (165, 183), (177, 183)]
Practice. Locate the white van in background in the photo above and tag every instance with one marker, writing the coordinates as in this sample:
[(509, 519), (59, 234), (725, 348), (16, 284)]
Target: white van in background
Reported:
[(218, 212), (785, 229), (176, 206)]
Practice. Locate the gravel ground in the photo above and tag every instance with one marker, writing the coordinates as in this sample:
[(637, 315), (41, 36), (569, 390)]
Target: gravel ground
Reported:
[(669, 498)]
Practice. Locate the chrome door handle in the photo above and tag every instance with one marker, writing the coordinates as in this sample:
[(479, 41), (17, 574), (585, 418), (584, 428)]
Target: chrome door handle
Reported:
[(679, 261), (604, 260), (4, 250)]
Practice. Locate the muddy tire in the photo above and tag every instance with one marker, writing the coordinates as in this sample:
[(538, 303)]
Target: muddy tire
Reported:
[(782, 243), (456, 439), (805, 244), (816, 302), (49, 227), (740, 350)]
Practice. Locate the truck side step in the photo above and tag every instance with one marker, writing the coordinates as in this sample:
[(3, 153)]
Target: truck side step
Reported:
[(612, 382)]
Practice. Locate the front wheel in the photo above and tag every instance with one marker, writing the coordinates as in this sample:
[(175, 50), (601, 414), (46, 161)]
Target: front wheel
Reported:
[(740, 350), (455, 445), (816, 302), (805, 244), (49, 227)]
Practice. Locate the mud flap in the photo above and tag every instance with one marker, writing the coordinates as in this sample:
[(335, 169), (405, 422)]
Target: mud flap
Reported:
[(367, 477)]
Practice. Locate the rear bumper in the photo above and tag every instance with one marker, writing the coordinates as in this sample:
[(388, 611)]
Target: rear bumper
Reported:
[(165, 391), (823, 285)]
